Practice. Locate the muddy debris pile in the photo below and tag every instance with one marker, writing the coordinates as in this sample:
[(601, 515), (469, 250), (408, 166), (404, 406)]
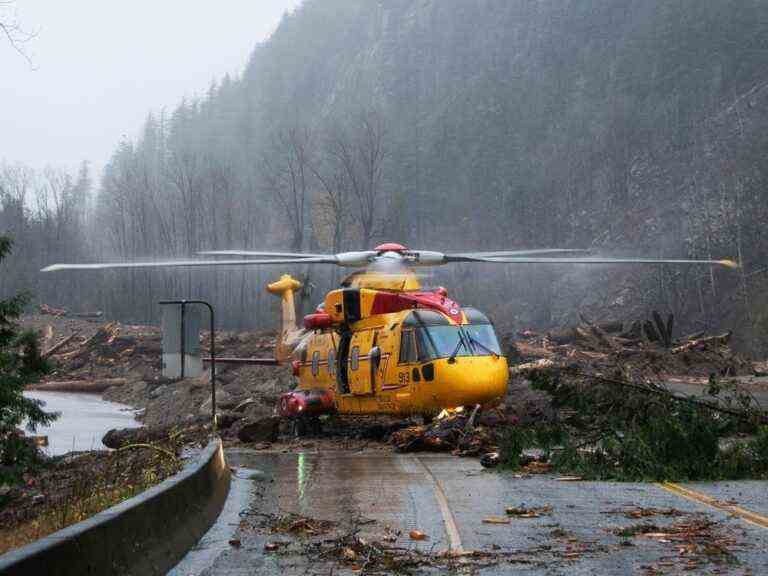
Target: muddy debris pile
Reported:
[(646, 345), (461, 432), (94, 357), (124, 363)]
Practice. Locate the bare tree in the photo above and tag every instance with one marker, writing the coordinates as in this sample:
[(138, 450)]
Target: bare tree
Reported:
[(12, 29), (360, 152), (286, 174), (331, 207)]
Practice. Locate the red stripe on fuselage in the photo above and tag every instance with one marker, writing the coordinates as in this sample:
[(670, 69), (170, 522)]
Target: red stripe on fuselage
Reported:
[(388, 302)]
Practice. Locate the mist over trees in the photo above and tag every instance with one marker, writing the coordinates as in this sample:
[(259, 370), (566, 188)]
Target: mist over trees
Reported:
[(624, 126)]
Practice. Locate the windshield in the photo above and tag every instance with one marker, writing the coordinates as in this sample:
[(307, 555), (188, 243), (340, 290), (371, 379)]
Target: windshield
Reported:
[(446, 341), (441, 342), (483, 338)]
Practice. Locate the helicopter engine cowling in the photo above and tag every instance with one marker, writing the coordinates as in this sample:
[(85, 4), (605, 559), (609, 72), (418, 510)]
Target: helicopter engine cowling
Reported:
[(306, 403), (318, 321)]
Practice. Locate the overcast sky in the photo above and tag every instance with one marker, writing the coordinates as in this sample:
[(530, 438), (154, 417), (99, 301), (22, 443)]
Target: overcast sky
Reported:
[(101, 65)]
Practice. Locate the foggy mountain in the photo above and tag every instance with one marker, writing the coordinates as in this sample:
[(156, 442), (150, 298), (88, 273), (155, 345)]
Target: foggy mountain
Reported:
[(625, 126)]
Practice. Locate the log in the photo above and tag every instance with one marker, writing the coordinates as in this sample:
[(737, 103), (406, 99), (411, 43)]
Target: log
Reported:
[(87, 315), (599, 334), (719, 339), (58, 346), (524, 349), (562, 336), (51, 311), (88, 386), (105, 334), (570, 335), (612, 327)]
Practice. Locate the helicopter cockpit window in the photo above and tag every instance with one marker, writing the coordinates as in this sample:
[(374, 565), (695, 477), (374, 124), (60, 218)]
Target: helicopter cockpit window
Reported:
[(442, 342), (428, 335), (481, 334), (483, 339), (407, 347)]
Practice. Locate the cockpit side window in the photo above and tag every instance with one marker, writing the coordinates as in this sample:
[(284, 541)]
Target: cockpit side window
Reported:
[(407, 347)]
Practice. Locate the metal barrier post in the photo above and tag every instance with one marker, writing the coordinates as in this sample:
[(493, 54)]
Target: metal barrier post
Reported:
[(183, 304)]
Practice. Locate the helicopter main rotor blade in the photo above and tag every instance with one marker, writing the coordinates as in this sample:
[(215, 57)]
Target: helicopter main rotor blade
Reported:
[(187, 264), (347, 259), (458, 257), (598, 260), (262, 254)]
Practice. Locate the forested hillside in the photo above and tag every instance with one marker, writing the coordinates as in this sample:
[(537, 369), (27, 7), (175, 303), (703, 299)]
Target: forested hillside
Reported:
[(626, 126)]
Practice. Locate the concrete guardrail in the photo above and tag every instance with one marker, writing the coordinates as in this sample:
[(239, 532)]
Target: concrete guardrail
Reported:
[(147, 534)]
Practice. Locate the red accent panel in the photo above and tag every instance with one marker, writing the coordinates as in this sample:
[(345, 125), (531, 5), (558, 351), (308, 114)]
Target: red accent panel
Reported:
[(317, 321), (387, 302), (390, 247)]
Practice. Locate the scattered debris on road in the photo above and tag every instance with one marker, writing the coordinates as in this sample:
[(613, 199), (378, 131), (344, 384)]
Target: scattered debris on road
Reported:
[(694, 542), (523, 512)]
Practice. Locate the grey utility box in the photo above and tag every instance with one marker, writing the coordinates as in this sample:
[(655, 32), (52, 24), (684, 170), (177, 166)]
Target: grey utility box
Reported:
[(181, 334)]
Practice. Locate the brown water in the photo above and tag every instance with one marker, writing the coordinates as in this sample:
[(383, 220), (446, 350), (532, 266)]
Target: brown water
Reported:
[(84, 419)]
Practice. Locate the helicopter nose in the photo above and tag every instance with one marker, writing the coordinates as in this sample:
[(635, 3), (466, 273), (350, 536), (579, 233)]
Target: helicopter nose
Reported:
[(475, 380)]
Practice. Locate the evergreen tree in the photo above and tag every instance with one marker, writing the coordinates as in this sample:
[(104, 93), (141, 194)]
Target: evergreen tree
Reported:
[(20, 364)]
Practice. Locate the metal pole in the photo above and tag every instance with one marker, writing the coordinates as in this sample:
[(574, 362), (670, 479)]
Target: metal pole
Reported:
[(213, 358), (183, 351)]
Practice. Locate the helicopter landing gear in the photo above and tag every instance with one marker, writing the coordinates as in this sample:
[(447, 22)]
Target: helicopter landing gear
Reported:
[(304, 426)]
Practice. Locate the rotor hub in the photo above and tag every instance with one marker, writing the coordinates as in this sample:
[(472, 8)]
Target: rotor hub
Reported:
[(390, 247)]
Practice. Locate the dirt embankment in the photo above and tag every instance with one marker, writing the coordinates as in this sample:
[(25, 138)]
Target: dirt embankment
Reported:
[(124, 362)]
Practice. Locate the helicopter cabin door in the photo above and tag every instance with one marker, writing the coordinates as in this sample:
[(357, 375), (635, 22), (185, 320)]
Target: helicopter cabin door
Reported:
[(359, 366)]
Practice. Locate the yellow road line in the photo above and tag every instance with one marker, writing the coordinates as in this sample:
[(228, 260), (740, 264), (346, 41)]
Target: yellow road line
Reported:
[(454, 540), (747, 515)]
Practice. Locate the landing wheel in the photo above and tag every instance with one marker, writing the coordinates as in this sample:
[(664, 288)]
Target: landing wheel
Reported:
[(303, 426)]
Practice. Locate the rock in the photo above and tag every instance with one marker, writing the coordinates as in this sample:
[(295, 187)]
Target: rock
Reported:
[(261, 430), (244, 404), (226, 377), (235, 389), (158, 391), (226, 419), (490, 460), (258, 409), (224, 401), (118, 437)]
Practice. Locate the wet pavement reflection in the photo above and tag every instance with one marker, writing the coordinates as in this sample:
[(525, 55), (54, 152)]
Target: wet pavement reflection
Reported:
[(380, 497)]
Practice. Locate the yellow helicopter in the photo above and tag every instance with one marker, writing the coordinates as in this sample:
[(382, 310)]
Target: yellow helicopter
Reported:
[(381, 344)]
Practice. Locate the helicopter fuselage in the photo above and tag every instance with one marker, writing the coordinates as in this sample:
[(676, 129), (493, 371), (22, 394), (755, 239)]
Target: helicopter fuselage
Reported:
[(381, 345)]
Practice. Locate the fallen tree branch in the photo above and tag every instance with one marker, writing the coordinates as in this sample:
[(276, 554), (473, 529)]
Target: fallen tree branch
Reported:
[(58, 346), (719, 339), (79, 385)]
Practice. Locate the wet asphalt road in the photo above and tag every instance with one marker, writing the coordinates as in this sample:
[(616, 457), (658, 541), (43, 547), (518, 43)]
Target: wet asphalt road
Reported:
[(448, 498)]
